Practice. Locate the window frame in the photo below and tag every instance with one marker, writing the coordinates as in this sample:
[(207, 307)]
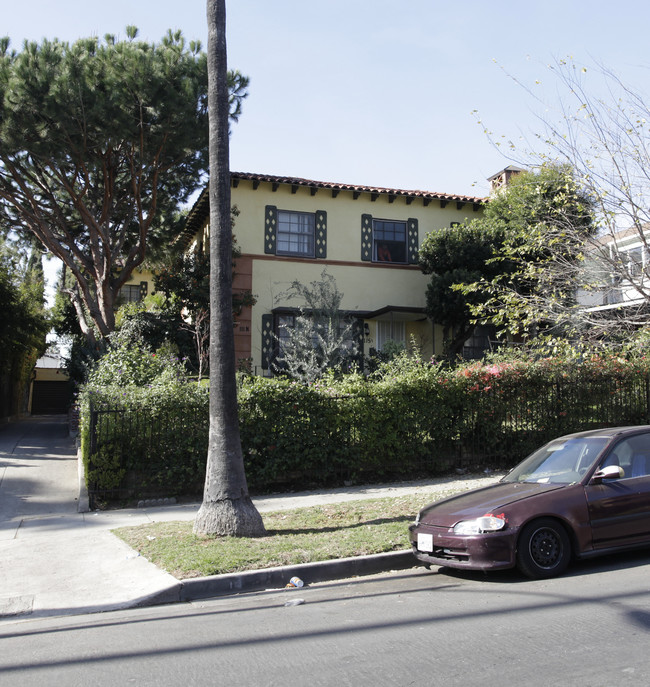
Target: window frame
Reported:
[(625, 450), (319, 234), (281, 323), (376, 242), (275, 324), (636, 259), (296, 235), (396, 332), (131, 289)]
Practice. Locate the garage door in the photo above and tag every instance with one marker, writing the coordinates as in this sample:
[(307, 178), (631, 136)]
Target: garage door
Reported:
[(51, 398)]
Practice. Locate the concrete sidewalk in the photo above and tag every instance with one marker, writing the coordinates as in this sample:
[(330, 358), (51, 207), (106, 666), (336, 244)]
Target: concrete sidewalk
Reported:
[(57, 561)]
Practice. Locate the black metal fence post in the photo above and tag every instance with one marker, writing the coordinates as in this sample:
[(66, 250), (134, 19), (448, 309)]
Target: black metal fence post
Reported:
[(93, 429)]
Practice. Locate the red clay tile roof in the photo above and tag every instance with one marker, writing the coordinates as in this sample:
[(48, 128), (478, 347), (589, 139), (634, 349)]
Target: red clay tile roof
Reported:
[(296, 181), (200, 210)]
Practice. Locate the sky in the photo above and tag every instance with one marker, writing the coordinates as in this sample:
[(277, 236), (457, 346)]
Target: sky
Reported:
[(378, 92)]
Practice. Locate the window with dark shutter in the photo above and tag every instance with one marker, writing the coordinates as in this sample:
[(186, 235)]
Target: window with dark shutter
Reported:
[(413, 241), (389, 241), (270, 229), (291, 233), (268, 341)]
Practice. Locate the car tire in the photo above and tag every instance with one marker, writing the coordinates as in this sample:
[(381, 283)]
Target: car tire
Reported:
[(543, 549)]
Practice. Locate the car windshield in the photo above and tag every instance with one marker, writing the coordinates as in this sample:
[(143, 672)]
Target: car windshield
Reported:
[(563, 461)]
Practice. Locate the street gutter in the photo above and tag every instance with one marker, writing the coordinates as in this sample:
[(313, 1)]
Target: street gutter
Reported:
[(277, 578)]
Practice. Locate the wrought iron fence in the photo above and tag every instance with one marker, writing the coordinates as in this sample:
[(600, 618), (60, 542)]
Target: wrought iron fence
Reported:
[(135, 454), (321, 440)]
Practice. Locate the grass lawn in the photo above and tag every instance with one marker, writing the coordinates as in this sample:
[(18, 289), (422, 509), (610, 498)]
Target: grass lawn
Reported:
[(353, 528)]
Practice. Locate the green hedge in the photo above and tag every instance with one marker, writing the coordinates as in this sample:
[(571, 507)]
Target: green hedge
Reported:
[(410, 420)]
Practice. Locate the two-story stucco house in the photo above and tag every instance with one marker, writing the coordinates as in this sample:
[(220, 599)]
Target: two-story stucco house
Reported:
[(367, 238)]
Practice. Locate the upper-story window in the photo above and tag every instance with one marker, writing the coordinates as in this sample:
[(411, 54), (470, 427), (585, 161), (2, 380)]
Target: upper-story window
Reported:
[(388, 241), (291, 233), (295, 233), (635, 261)]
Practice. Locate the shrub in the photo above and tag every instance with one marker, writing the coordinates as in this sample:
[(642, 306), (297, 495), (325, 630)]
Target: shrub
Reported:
[(133, 365), (140, 437), (409, 419)]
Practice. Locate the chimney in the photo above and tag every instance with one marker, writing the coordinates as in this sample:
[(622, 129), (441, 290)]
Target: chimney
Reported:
[(502, 179)]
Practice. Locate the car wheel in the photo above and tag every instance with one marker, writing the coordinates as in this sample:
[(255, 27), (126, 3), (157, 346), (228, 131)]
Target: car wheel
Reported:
[(544, 549)]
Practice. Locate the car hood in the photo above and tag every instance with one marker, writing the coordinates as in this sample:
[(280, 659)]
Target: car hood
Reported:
[(479, 502)]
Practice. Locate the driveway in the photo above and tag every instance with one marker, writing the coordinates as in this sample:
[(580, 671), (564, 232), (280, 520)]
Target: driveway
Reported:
[(54, 560), (38, 469)]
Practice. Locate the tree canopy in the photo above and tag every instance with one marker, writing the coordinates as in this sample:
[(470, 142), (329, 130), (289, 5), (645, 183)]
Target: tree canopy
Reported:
[(547, 217), (598, 126), (507, 266), (23, 323), (462, 254), (100, 141)]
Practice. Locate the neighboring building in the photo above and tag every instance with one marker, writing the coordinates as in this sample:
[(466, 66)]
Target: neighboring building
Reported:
[(367, 238), (51, 389), (620, 264)]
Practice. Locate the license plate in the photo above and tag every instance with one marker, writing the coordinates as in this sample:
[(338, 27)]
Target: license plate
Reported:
[(425, 542)]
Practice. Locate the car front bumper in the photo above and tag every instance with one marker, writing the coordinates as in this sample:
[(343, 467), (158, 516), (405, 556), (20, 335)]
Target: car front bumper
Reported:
[(489, 551)]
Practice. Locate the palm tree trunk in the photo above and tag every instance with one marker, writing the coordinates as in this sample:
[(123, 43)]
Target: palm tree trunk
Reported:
[(227, 508)]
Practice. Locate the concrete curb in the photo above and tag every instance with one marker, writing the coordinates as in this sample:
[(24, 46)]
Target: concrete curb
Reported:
[(277, 578)]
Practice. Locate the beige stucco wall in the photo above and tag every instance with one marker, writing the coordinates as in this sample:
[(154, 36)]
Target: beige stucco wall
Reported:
[(366, 286), (141, 274), (343, 215), (51, 375)]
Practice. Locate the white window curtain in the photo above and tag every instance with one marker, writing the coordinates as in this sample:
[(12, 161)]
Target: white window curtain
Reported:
[(390, 331)]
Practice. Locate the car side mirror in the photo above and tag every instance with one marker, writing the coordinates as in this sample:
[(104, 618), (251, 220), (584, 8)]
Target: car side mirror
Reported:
[(609, 472)]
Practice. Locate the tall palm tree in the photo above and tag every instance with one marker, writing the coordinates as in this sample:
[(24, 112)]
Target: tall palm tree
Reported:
[(227, 508)]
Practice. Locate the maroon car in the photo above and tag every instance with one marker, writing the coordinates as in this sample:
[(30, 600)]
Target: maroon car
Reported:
[(581, 495)]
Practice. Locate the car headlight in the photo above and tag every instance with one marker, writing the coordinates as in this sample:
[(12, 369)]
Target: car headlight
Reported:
[(488, 523)]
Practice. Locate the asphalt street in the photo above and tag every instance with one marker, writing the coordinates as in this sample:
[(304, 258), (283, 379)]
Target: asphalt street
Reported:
[(589, 628)]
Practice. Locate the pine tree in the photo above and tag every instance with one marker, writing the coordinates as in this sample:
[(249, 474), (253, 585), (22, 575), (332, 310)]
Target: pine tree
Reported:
[(99, 142)]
